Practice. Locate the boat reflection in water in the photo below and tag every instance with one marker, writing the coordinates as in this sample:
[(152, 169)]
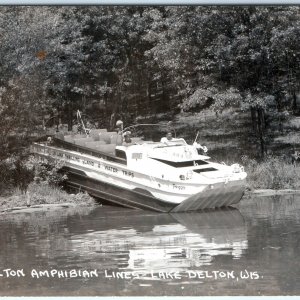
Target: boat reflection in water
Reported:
[(163, 242), (114, 239)]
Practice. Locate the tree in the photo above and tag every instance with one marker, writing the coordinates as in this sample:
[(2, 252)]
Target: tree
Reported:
[(243, 57)]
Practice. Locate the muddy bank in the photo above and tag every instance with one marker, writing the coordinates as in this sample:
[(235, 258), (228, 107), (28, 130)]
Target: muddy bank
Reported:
[(271, 192)]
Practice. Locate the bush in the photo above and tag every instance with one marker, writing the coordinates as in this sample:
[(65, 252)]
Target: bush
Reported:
[(46, 194), (47, 171), (15, 173), (18, 172), (272, 173)]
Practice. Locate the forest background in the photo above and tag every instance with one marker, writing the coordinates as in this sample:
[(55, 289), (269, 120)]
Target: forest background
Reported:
[(230, 72)]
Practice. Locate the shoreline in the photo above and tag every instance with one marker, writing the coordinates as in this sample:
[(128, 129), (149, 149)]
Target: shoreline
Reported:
[(273, 192), (41, 197), (83, 199), (39, 207)]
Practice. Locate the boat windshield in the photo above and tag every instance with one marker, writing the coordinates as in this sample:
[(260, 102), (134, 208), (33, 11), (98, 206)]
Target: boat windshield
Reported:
[(182, 164), (172, 143)]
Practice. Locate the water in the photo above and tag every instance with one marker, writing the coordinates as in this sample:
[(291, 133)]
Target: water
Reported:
[(160, 254)]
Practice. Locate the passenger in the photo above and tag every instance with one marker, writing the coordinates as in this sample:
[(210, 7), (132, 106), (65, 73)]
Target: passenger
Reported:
[(49, 140), (60, 127), (119, 130), (79, 128), (119, 124), (200, 148), (88, 128), (127, 138), (168, 138)]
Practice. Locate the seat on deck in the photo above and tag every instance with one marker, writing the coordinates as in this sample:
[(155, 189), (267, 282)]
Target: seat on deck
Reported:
[(94, 133), (69, 138), (97, 131), (94, 145), (104, 145), (82, 141), (116, 138), (108, 148), (79, 136), (108, 137)]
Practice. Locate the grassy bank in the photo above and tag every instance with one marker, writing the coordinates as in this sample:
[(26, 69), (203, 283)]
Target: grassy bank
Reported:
[(272, 173), (39, 194), (27, 181)]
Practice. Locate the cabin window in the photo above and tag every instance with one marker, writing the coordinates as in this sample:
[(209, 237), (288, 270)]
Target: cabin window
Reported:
[(205, 170), (121, 153), (137, 156), (182, 164)]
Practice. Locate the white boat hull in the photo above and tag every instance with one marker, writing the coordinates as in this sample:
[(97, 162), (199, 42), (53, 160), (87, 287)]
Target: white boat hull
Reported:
[(118, 184)]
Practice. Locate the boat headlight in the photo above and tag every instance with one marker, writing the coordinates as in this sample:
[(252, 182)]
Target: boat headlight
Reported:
[(236, 168), (189, 174)]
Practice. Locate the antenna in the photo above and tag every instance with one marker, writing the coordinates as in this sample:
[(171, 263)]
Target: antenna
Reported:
[(196, 136), (80, 119)]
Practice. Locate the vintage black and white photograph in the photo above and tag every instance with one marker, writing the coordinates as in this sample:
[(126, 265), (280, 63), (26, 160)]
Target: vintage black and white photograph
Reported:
[(149, 150)]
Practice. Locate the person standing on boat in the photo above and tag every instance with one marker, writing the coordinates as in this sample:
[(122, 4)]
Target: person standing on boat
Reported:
[(168, 138), (119, 130)]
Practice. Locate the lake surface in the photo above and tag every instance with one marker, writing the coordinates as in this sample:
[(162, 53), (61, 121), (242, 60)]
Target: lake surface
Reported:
[(107, 251)]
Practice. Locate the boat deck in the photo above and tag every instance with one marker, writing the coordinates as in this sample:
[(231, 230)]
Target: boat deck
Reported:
[(98, 139), (100, 152)]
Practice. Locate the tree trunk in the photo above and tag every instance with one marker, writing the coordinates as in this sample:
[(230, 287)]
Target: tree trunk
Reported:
[(70, 116), (261, 126), (294, 105), (253, 119)]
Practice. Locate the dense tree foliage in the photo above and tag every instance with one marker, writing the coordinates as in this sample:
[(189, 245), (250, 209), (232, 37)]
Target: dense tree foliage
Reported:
[(113, 62)]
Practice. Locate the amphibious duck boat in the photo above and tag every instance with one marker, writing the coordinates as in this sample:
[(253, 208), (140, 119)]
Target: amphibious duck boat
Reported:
[(163, 177)]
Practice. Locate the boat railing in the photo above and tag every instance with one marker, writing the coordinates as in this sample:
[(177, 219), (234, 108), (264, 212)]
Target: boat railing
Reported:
[(169, 146), (84, 150)]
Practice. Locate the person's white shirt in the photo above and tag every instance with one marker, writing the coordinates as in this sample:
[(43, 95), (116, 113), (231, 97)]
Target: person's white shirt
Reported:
[(165, 140)]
